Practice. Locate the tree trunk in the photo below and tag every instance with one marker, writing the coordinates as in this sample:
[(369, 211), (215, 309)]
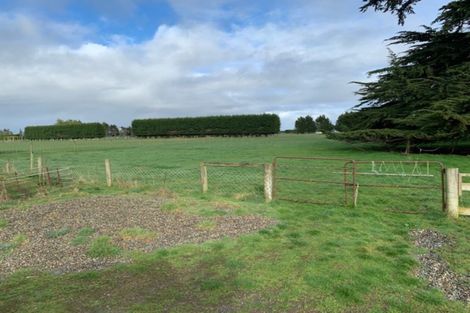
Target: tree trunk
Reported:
[(408, 146)]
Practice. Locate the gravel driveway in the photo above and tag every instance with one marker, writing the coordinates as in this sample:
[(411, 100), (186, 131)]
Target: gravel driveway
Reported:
[(43, 236)]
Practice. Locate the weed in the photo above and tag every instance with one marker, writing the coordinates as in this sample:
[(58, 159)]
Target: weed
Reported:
[(137, 233), (83, 236), (52, 234), (102, 247), (206, 225)]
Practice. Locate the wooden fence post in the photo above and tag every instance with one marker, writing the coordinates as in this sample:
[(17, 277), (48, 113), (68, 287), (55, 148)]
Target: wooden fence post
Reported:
[(31, 158), (356, 194), (452, 192), (204, 182), (109, 177), (40, 169), (7, 167), (268, 182), (4, 191)]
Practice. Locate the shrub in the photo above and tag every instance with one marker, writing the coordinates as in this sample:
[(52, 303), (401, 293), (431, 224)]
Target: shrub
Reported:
[(71, 131), (230, 125)]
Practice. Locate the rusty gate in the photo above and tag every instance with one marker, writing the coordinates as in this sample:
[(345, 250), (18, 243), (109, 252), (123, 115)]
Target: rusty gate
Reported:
[(336, 181)]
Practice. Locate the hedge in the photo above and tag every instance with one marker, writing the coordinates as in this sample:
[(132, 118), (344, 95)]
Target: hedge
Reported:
[(228, 125), (75, 131)]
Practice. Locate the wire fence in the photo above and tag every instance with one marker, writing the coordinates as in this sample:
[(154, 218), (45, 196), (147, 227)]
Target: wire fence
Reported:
[(14, 185), (395, 185), (239, 180)]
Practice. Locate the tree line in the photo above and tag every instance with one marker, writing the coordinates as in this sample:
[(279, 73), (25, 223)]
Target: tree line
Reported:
[(306, 124), (230, 125)]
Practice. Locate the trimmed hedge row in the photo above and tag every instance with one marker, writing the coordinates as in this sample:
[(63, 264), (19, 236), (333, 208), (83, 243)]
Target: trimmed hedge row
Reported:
[(230, 125), (75, 131)]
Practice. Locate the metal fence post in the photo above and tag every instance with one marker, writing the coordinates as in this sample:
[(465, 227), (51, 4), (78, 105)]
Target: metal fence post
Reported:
[(268, 182), (452, 192)]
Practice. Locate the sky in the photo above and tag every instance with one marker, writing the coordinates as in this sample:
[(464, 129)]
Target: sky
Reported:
[(114, 61)]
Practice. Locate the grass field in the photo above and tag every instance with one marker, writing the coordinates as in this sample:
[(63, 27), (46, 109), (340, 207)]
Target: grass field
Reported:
[(319, 258)]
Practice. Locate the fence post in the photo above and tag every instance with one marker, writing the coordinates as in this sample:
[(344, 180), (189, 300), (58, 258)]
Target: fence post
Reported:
[(268, 182), (31, 158), (204, 183), (109, 178), (7, 167), (452, 192), (40, 169), (4, 191)]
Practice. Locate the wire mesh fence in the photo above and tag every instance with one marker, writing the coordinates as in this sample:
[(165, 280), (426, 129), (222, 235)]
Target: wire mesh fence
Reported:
[(238, 180), (396, 185)]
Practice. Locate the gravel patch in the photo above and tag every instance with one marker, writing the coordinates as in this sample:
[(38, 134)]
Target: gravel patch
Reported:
[(429, 239), (435, 269), (107, 216)]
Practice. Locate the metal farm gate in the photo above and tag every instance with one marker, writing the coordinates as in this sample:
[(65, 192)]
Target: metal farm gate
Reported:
[(383, 184), (313, 180)]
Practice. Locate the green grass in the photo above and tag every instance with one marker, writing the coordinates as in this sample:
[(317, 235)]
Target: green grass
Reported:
[(319, 258), (83, 236), (7, 247), (137, 233), (52, 234), (3, 223), (102, 247)]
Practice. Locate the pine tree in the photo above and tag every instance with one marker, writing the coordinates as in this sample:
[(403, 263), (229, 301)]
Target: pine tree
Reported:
[(423, 95)]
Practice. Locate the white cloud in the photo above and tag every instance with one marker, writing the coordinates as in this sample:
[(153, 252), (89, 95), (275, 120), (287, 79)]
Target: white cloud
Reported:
[(53, 70)]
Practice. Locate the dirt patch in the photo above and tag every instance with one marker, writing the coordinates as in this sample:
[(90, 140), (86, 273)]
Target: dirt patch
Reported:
[(435, 270), (57, 237)]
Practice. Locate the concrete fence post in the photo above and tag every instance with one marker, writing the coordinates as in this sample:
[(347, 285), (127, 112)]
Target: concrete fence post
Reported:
[(268, 182), (109, 177), (452, 192), (204, 181)]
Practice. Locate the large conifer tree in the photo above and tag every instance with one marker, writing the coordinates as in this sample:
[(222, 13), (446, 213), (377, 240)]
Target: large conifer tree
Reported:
[(424, 94)]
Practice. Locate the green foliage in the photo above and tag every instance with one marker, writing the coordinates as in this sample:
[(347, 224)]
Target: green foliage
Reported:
[(347, 121), (423, 95), (304, 125), (65, 131), (67, 122), (233, 125), (324, 124), (102, 247), (399, 7)]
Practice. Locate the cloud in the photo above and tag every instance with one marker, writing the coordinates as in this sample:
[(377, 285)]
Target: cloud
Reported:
[(53, 70), (183, 71)]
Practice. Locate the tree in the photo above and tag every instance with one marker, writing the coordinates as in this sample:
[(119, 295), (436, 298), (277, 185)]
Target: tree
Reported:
[(67, 122), (305, 125), (423, 95), (399, 7), (113, 131), (324, 124), (6, 132), (348, 121)]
